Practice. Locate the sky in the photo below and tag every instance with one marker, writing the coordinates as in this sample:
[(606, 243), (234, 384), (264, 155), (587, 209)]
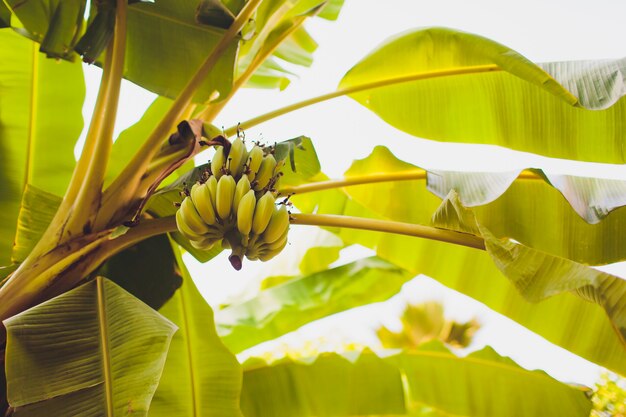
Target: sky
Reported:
[(342, 131)]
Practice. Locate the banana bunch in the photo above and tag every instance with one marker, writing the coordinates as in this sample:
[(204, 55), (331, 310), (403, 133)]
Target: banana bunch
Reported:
[(235, 205)]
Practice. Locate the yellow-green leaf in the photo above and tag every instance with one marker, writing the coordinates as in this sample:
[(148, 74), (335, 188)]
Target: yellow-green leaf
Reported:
[(201, 377), (93, 351), (453, 86)]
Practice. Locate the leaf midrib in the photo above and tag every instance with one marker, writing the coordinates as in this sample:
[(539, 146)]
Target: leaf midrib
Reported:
[(104, 343), (194, 397)]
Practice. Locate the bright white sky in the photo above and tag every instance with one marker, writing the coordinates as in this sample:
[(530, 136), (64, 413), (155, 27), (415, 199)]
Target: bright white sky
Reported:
[(343, 131)]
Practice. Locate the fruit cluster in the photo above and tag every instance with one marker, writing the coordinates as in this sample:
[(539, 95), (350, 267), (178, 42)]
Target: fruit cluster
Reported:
[(234, 204)]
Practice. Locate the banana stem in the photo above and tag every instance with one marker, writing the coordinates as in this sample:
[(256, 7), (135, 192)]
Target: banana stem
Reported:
[(209, 113), (408, 229), (357, 88), (124, 187), (418, 174), (75, 207), (101, 131)]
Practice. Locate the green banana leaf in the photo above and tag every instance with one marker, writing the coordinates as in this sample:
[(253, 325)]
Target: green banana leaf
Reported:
[(273, 19), (529, 211), (5, 16), (37, 135), (538, 275), (36, 212), (165, 46), (523, 106), (55, 24), (201, 377), (362, 383), (575, 324), (95, 350), (283, 308), (147, 270)]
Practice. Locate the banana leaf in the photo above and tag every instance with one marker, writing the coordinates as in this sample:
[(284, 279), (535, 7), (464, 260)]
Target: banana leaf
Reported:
[(283, 308), (147, 270), (575, 324), (406, 383), (529, 211), (37, 135), (95, 350), (475, 90), (201, 377)]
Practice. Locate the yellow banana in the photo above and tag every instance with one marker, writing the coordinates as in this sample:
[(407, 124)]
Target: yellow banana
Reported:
[(201, 197), (218, 162), (243, 186), (265, 173), (245, 213), (255, 158), (224, 198), (279, 165), (277, 225), (191, 217), (263, 213), (184, 229), (237, 157)]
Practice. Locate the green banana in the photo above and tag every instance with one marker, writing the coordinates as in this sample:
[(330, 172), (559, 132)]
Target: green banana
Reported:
[(245, 213), (211, 185), (243, 186), (265, 173), (255, 158), (184, 229), (205, 244), (224, 198), (277, 225), (237, 157), (218, 162), (201, 197), (263, 213), (191, 217)]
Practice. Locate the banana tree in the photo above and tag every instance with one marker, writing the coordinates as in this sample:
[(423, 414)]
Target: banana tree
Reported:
[(100, 315)]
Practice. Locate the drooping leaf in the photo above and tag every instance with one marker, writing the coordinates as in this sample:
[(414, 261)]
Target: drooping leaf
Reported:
[(536, 274), (201, 377), (408, 383), (576, 325), (55, 24), (529, 211), (95, 350), (518, 104), (37, 135), (283, 308), (147, 270)]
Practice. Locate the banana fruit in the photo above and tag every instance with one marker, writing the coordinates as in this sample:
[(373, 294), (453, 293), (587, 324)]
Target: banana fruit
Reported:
[(236, 205)]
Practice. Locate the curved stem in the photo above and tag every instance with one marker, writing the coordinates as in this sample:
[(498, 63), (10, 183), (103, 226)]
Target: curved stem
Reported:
[(123, 188), (417, 174), (101, 130), (409, 229), (357, 88)]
